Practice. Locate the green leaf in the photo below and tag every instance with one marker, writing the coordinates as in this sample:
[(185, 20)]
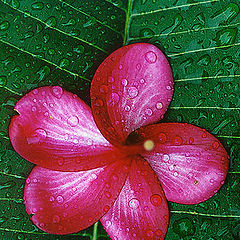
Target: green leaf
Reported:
[(63, 42)]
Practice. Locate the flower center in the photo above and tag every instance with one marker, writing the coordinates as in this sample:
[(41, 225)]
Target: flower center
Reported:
[(148, 145)]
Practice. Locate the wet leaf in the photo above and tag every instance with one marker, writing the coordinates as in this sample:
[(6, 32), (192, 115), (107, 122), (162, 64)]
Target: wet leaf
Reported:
[(63, 42)]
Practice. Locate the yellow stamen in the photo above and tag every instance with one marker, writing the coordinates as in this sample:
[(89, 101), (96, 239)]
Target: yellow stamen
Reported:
[(148, 145)]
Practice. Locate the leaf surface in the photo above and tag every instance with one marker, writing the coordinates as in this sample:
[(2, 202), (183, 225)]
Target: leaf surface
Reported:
[(63, 42)]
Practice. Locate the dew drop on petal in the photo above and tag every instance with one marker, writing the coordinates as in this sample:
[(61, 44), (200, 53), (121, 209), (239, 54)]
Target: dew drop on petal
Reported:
[(73, 121), (149, 112), (158, 232), (142, 80), (120, 67), (35, 91), (165, 158), (57, 92), (156, 200), (216, 145), (38, 136), (177, 140), (149, 233), (133, 92), (108, 223), (162, 138), (56, 219), (104, 89), (127, 108), (59, 199), (138, 66), (124, 82), (159, 105), (110, 79), (98, 103), (51, 199), (134, 203), (151, 57), (60, 162)]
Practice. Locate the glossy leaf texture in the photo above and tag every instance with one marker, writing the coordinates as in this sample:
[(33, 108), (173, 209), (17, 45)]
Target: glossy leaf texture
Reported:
[(63, 42)]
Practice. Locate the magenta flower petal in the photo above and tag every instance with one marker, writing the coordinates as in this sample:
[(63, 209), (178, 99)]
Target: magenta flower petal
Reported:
[(67, 202), (141, 210), (190, 163), (131, 88), (55, 129)]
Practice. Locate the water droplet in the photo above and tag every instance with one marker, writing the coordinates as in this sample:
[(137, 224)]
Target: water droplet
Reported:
[(3, 80), (149, 233), (110, 79), (51, 21), (216, 145), (177, 140), (156, 200), (98, 103), (204, 135), (142, 80), (171, 167), (56, 219), (124, 82), (165, 158), (41, 225), (149, 112), (57, 92), (158, 233), (38, 136), (138, 66), (34, 109), (133, 92), (51, 199), (146, 32), (37, 6), (108, 223), (59, 199), (106, 208), (191, 140), (114, 99), (73, 121), (151, 57), (4, 25), (127, 108), (60, 161), (175, 174), (104, 89), (162, 138), (168, 87), (64, 63), (120, 67), (183, 227), (35, 91), (134, 203), (127, 229), (108, 194)]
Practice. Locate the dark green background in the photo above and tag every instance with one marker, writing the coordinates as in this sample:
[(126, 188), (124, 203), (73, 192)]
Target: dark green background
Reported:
[(63, 42)]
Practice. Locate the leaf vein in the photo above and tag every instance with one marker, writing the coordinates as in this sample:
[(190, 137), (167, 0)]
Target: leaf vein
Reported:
[(210, 77), (45, 60), (174, 7), (56, 29), (204, 49), (88, 15), (186, 31)]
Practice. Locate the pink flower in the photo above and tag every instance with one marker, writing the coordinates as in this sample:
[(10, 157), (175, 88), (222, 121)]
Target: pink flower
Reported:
[(113, 163)]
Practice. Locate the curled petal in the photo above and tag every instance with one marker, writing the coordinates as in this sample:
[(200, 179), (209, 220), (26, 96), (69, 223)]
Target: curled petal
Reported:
[(131, 88), (55, 129), (190, 163), (140, 211), (67, 202)]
